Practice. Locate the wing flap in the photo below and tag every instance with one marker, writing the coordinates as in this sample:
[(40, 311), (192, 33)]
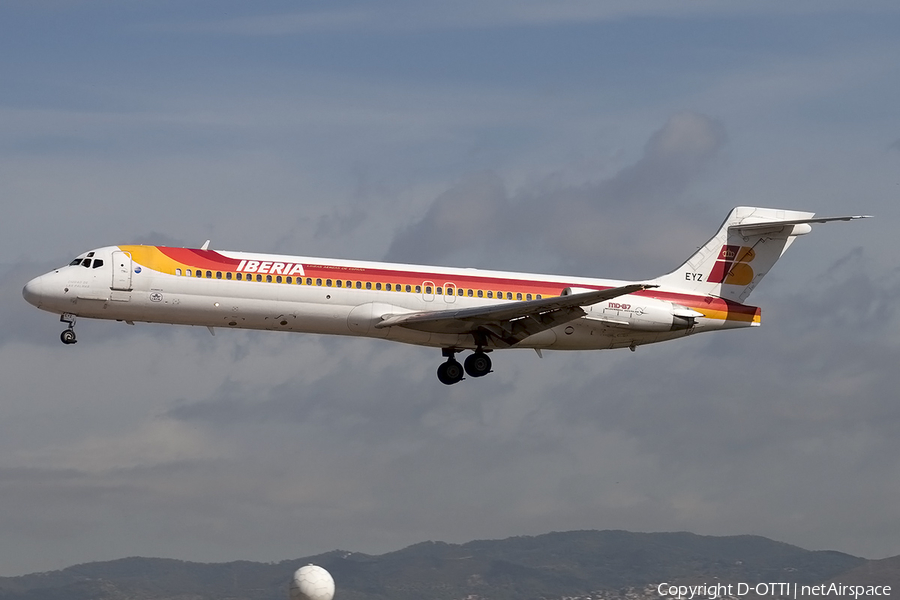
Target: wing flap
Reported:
[(510, 322)]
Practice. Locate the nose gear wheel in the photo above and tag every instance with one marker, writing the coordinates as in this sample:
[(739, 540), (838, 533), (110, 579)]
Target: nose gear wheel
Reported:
[(68, 335)]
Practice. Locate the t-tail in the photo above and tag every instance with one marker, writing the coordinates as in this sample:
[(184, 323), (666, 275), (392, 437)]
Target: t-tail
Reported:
[(735, 260)]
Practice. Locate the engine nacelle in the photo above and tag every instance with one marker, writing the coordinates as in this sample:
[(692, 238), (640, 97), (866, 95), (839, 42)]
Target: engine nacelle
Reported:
[(643, 314), (577, 290)]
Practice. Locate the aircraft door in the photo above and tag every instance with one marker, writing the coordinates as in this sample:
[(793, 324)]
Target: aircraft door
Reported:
[(449, 292), (121, 271), (428, 291)]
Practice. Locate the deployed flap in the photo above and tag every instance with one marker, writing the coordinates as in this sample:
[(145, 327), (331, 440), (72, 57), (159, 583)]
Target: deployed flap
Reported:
[(510, 322)]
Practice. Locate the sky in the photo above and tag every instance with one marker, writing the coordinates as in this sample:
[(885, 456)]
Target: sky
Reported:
[(575, 137)]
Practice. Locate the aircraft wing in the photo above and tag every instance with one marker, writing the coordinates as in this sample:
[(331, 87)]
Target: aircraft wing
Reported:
[(510, 322)]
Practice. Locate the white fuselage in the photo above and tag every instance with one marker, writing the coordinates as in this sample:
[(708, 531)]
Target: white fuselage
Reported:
[(340, 297)]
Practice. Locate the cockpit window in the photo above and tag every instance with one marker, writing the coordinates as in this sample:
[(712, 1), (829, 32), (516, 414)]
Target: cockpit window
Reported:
[(86, 263), (77, 261), (98, 262)]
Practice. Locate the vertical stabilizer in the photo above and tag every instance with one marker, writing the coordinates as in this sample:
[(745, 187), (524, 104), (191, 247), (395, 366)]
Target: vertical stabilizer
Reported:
[(735, 260)]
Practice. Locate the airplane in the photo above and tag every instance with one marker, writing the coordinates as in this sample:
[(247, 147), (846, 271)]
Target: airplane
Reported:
[(454, 309)]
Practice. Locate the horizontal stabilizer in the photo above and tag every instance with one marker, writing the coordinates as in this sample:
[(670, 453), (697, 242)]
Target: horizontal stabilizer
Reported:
[(733, 262), (749, 228)]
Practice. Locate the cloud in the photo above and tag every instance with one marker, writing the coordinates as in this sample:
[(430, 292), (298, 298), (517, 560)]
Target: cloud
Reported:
[(569, 227), (408, 17), (162, 440)]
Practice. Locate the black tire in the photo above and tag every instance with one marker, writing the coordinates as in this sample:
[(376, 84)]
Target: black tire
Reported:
[(450, 372), (478, 364), (67, 337)]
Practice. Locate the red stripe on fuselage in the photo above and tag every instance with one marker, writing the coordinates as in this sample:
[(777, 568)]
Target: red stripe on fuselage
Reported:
[(212, 260), (200, 259)]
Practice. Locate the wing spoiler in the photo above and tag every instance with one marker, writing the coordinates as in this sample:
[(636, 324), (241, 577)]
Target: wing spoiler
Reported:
[(510, 321)]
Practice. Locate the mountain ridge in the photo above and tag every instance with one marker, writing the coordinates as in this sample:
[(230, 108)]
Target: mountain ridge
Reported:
[(573, 564)]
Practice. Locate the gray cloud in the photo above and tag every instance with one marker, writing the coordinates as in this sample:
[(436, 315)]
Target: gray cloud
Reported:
[(570, 228), (166, 441), (414, 17)]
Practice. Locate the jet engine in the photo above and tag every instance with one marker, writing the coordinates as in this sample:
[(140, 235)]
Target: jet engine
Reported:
[(639, 313)]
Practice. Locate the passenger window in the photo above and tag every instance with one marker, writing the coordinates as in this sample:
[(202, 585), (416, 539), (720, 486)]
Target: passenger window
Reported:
[(408, 288), (319, 282), (378, 286), (519, 296), (359, 285), (427, 289), (268, 279), (328, 282), (309, 281), (239, 276), (437, 290), (218, 274), (178, 272), (538, 296), (289, 280), (199, 273), (490, 294), (259, 278), (387, 287), (480, 293), (228, 275), (418, 289), (209, 274), (368, 285), (528, 296), (278, 279), (98, 263), (469, 292), (86, 263), (459, 292), (188, 273), (339, 283)]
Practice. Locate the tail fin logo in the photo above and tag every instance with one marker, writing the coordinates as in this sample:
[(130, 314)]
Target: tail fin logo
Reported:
[(731, 266)]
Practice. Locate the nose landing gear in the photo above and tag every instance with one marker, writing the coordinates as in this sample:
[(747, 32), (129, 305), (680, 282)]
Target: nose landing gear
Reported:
[(68, 335)]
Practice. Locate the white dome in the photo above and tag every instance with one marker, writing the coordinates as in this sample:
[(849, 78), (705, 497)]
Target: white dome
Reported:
[(312, 583)]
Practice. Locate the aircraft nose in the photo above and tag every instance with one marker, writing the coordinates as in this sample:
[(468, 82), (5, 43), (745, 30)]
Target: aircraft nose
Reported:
[(33, 291)]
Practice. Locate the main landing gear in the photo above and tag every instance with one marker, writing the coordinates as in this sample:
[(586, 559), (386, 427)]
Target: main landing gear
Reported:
[(68, 335), (477, 364)]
